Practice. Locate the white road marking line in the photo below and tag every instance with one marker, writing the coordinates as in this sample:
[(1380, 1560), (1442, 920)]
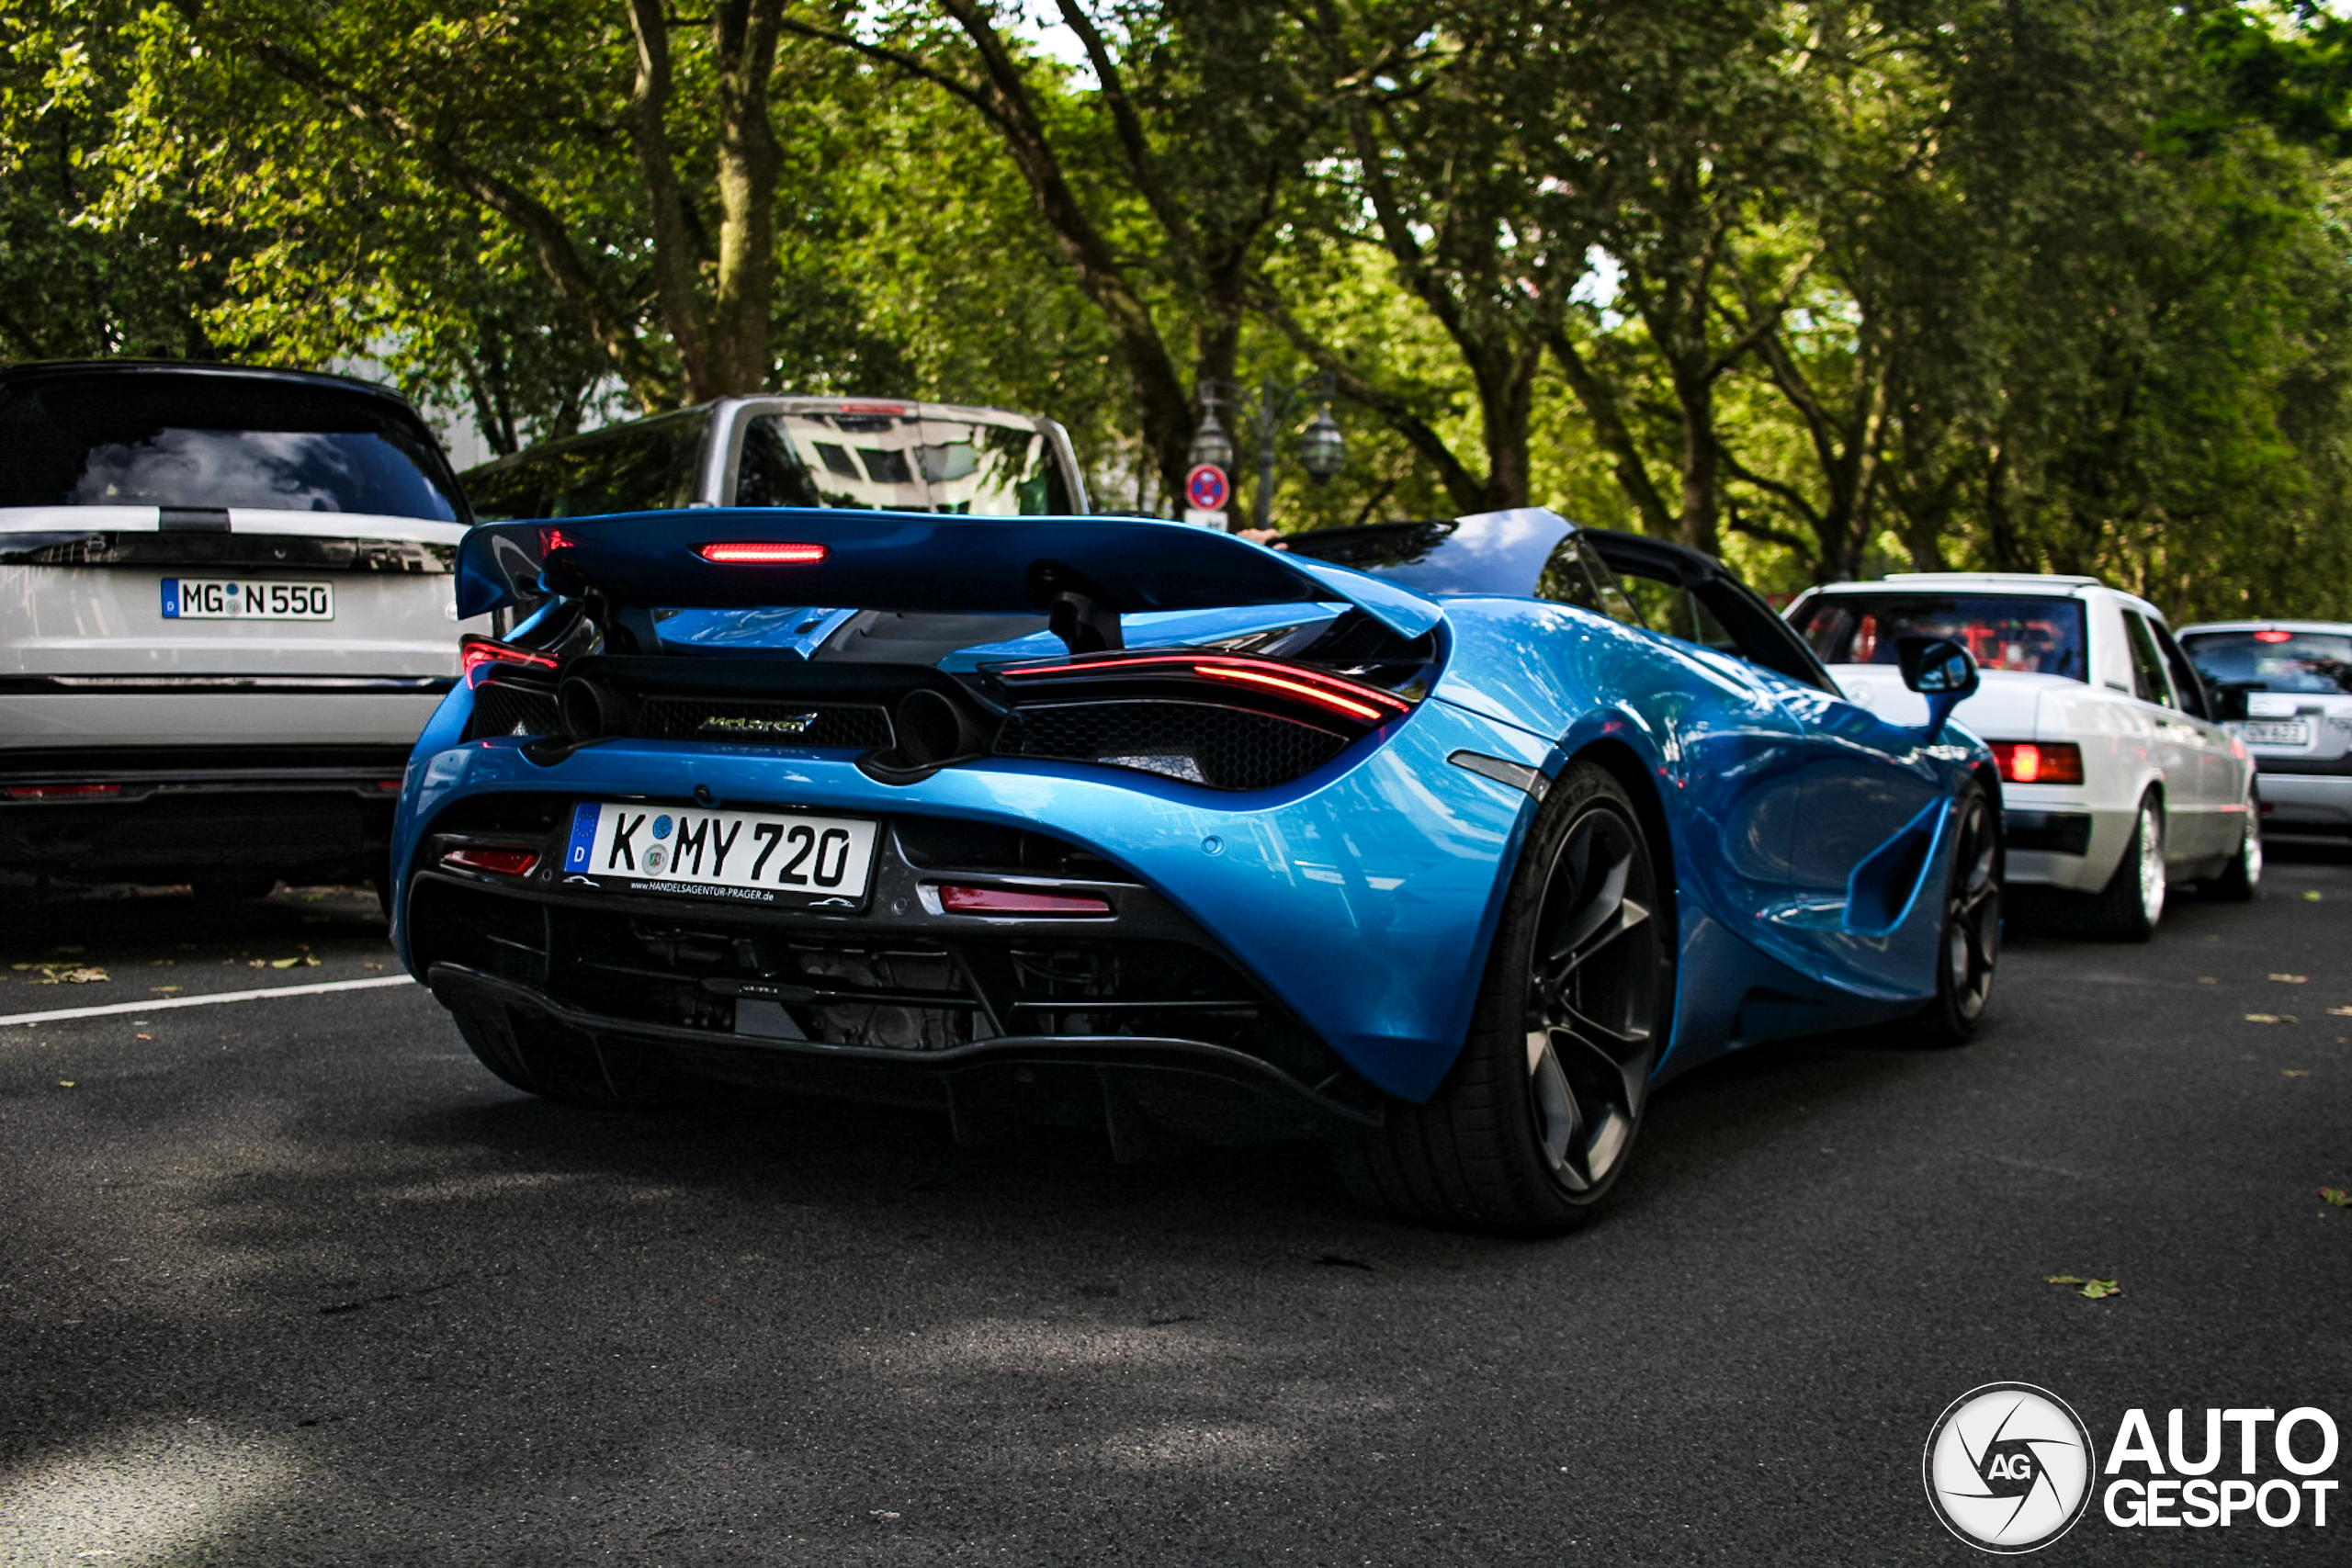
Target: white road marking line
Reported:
[(114, 1008)]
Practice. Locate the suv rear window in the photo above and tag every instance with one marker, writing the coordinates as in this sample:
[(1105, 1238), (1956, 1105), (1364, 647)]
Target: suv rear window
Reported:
[(649, 465), (153, 439), (2037, 633), (2314, 663)]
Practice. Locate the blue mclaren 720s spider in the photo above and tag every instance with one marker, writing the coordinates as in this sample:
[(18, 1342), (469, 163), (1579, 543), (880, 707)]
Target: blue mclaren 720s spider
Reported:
[(1448, 841)]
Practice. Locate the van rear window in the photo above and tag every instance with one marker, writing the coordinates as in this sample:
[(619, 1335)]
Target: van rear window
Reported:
[(647, 466), (160, 439), (2314, 663)]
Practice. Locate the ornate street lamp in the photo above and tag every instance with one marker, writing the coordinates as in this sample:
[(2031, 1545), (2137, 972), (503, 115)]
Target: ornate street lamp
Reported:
[(1211, 445), (1322, 450)]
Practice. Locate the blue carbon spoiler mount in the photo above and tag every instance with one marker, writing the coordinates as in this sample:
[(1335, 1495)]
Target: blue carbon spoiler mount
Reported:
[(912, 561)]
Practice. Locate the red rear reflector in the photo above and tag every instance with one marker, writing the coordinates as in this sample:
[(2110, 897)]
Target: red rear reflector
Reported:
[(387, 783), (474, 652), (2039, 761), (2273, 635), (492, 858), (552, 540), (961, 900), (60, 791), (764, 553), (872, 408)]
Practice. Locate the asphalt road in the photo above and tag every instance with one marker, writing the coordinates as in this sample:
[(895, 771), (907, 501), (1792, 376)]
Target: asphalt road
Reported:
[(294, 1282)]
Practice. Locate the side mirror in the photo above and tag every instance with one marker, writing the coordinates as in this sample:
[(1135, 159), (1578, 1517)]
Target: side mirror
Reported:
[(1940, 670)]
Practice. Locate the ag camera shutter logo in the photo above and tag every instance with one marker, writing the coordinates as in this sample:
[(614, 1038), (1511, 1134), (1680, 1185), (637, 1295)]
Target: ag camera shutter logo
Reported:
[(2008, 1467)]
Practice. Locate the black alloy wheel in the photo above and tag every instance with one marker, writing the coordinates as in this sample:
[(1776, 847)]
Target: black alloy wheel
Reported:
[(1969, 944), (1532, 1125)]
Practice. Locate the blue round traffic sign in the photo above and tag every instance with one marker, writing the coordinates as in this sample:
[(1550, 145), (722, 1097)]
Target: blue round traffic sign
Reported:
[(1207, 488)]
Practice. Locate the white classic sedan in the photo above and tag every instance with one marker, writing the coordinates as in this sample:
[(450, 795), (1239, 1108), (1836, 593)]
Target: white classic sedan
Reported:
[(2117, 775), (226, 610)]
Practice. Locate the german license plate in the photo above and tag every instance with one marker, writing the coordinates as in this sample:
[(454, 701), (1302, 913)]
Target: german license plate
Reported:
[(2277, 732), (244, 599), (760, 857)]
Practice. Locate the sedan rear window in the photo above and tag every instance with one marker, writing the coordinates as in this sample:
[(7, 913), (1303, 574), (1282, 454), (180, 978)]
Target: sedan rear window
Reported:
[(2033, 633), (160, 439), (2315, 663)]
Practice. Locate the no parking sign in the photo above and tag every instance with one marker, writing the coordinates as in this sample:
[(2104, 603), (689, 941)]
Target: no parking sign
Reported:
[(1206, 490)]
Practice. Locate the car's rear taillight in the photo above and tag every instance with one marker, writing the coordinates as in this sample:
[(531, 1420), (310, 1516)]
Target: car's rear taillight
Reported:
[(477, 653), (1296, 683), (2039, 762), (1225, 721), (500, 859)]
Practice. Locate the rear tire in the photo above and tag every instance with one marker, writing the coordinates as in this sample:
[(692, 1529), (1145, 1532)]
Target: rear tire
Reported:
[(2241, 880), (1969, 948), (2128, 909), (1532, 1125)]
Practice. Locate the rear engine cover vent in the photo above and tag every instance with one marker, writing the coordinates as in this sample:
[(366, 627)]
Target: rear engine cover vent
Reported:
[(510, 708), (1202, 743)]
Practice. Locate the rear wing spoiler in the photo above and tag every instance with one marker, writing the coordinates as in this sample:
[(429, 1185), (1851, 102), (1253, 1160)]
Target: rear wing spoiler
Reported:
[(708, 559)]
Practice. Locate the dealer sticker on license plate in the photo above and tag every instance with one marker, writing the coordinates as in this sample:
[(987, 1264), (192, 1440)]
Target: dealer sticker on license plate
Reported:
[(2278, 732), (767, 858), (233, 599)]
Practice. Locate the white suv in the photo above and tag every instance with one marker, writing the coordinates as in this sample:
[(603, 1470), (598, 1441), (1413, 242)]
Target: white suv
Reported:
[(226, 610), (2117, 776)]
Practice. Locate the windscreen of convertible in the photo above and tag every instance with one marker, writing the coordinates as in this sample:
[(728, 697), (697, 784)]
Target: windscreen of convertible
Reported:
[(2311, 663), (2035, 634), (1520, 554), (164, 440)]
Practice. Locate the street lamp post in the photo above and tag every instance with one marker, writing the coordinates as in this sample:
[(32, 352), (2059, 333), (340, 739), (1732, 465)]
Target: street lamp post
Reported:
[(1322, 450)]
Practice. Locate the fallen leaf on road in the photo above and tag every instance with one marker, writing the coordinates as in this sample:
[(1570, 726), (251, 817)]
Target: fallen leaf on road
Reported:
[(142, 1037), (65, 1083), (66, 974), (305, 960), (2312, 896), (2339, 1012), (2337, 1196), (2270, 1018), (2095, 1289), (2207, 980), (2292, 980), (164, 989), (2294, 1072)]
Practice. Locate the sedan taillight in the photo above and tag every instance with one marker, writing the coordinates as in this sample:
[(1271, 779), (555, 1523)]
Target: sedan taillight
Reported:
[(2039, 762)]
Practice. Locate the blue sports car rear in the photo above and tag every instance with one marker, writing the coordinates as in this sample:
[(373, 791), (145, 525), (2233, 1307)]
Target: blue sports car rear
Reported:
[(1448, 841)]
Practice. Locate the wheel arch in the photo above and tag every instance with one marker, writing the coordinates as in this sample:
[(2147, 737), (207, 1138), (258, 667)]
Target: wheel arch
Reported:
[(1622, 763)]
